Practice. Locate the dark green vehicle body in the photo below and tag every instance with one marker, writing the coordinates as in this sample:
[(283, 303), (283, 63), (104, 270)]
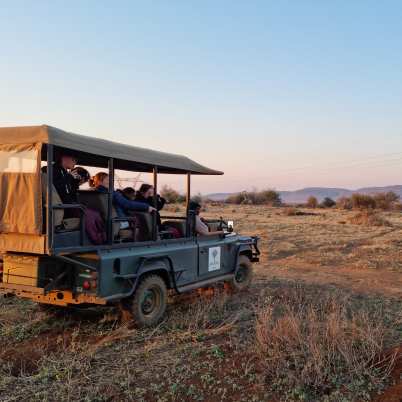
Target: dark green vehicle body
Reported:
[(183, 264), (50, 259)]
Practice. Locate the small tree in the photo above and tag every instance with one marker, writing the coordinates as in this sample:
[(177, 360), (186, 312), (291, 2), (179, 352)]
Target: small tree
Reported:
[(328, 203), (312, 202), (170, 195), (198, 198), (270, 197)]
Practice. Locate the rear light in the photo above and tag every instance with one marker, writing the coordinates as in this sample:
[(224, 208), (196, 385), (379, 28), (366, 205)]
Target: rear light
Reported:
[(94, 280), (86, 285)]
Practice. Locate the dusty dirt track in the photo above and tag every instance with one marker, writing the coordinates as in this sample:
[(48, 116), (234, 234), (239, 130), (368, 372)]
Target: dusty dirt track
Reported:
[(199, 353)]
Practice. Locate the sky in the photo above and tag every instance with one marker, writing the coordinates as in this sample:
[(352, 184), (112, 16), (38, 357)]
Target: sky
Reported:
[(277, 94)]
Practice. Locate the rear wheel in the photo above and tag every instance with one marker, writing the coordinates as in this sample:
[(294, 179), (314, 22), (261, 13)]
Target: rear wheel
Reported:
[(243, 276), (149, 302)]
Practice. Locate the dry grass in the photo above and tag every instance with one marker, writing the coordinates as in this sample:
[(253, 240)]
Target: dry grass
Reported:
[(316, 345), (368, 218), (291, 211), (205, 349)]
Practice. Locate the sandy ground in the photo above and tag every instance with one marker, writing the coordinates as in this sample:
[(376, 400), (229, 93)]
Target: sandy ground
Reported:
[(323, 247)]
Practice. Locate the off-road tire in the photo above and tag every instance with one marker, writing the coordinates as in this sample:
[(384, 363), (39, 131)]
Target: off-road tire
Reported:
[(149, 302), (244, 275)]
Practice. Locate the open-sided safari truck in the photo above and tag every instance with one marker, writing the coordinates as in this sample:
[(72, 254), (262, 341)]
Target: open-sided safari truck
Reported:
[(50, 259)]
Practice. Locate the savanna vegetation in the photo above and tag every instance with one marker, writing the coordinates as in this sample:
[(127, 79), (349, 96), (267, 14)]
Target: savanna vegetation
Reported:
[(321, 322), (264, 197)]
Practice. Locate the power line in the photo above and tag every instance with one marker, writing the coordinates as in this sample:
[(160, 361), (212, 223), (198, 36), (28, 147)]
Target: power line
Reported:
[(353, 163), (318, 170)]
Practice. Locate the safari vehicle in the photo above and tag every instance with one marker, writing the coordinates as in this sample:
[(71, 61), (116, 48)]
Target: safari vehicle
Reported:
[(50, 259)]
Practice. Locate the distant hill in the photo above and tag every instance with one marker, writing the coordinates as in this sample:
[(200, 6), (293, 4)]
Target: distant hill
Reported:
[(301, 196)]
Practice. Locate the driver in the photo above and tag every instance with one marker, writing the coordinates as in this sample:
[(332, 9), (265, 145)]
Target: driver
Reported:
[(201, 228)]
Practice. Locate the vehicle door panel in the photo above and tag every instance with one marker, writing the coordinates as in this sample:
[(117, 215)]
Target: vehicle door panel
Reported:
[(213, 257)]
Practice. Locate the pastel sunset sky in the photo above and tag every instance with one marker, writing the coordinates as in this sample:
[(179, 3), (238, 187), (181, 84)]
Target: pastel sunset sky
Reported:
[(279, 94)]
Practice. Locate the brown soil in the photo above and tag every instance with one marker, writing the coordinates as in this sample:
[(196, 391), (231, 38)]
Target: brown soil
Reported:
[(320, 249), (394, 392)]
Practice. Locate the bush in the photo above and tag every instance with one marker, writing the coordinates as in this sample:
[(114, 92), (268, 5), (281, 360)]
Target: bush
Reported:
[(344, 203), (265, 197), (316, 345), (363, 201), (238, 198), (172, 196), (397, 207), (312, 202), (270, 197), (328, 203), (291, 211), (386, 201), (368, 218)]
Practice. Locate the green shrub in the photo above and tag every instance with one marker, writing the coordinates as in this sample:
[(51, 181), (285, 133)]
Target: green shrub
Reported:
[(328, 203)]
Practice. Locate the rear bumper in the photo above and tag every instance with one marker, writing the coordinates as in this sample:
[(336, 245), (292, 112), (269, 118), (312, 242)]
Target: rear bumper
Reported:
[(55, 297)]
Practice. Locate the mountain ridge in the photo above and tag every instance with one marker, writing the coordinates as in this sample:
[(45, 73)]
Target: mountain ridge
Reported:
[(301, 196)]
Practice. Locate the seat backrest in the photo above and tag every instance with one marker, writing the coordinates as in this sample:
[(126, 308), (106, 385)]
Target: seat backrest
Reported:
[(58, 213), (144, 223), (180, 226), (99, 202)]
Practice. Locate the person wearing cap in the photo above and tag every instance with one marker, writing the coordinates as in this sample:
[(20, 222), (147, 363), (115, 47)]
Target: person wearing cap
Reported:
[(81, 176), (201, 228), (64, 182)]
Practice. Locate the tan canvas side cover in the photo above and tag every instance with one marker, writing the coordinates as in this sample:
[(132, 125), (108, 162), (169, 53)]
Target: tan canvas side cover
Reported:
[(20, 189), (22, 243)]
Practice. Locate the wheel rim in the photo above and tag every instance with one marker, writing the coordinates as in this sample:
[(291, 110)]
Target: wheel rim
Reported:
[(151, 300), (241, 274)]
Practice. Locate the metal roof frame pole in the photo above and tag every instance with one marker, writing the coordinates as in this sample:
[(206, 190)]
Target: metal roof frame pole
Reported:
[(155, 202), (188, 198), (49, 211), (110, 202)]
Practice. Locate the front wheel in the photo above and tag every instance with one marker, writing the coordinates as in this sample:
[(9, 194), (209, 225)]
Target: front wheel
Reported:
[(149, 302), (243, 276)]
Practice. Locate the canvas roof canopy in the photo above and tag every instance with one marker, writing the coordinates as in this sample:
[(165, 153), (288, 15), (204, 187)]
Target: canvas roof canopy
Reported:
[(92, 151)]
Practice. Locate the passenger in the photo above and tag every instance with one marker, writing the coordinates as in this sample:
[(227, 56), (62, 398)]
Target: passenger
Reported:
[(81, 176), (129, 193), (101, 183), (201, 228), (146, 194), (62, 179)]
